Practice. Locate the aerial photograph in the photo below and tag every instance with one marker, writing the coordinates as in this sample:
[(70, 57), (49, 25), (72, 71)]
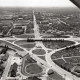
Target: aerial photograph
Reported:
[(39, 40)]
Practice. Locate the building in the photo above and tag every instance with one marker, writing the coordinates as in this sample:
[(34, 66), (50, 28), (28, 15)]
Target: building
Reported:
[(17, 31), (13, 70)]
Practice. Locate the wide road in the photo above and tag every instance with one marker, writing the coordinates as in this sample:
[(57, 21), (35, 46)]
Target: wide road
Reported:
[(6, 71), (36, 27), (37, 32), (51, 64)]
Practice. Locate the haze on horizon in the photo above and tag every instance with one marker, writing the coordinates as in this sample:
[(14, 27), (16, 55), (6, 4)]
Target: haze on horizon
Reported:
[(36, 3)]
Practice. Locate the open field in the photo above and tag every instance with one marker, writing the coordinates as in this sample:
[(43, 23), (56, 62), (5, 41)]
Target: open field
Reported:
[(56, 44), (33, 69), (39, 51), (25, 44), (28, 45), (29, 66), (19, 42), (24, 36)]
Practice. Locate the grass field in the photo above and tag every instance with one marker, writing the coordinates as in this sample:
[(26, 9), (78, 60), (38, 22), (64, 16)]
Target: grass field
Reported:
[(19, 42), (33, 69), (30, 67), (25, 44), (28, 45), (24, 36), (39, 51), (56, 44)]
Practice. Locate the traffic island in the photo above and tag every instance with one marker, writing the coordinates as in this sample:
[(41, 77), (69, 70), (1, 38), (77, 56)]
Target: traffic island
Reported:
[(39, 51)]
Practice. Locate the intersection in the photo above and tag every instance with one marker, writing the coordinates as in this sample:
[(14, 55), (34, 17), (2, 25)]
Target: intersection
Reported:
[(48, 64)]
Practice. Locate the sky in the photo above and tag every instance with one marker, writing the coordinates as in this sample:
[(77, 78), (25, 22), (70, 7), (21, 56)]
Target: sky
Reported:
[(36, 3)]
